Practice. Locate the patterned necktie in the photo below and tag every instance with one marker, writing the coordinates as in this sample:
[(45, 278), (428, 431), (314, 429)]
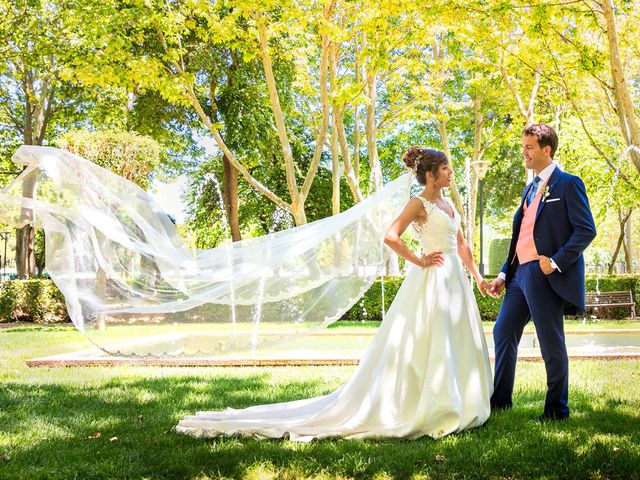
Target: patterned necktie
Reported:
[(533, 190)]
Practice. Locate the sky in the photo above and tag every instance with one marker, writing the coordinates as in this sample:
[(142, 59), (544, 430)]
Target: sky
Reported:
[(168, 195)]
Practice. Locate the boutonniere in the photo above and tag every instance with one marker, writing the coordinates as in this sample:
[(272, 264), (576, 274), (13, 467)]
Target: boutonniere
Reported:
[(545, 192)]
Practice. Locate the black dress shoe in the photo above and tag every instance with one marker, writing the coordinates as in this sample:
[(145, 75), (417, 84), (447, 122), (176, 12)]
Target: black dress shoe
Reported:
[(550, 417)]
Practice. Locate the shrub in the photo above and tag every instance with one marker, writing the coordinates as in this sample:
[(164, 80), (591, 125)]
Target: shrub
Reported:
[(40, 301), (36, 300), (498, 251), (489, 307), (614, 283), (370, 305), (8, 300)]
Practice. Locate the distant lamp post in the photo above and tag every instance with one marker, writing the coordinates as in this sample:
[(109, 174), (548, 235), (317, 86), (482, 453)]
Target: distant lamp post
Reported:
[(480, 168), (4, 236)]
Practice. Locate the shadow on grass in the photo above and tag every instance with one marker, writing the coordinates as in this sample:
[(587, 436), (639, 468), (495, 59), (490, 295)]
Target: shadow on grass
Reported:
[(50, 432)]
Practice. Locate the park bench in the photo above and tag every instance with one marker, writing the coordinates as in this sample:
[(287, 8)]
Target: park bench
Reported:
[(597, 300)]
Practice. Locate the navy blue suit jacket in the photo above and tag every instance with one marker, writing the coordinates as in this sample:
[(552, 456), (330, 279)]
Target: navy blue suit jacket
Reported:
[(564, 227)]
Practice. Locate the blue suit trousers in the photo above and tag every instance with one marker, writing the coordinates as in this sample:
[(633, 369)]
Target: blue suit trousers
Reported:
[(529, 295)]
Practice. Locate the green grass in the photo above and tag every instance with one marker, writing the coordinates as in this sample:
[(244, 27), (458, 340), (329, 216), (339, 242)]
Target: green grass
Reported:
[(569, 325), (49, 416)]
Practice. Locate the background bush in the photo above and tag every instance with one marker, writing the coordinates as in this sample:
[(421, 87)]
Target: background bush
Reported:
[(35, 300), (498, 252), (370, 306), (614, 283), (39, 300)]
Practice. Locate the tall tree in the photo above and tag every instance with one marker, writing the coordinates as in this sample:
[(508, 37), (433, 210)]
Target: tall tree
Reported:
[(34, 100), (623, 101), (176, 50)]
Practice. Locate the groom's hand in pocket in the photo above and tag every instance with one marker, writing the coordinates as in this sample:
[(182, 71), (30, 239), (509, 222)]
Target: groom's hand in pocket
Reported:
[(545, 265)]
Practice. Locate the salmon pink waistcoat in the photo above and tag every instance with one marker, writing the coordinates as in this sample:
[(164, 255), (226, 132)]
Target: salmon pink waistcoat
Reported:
[(526, 247)]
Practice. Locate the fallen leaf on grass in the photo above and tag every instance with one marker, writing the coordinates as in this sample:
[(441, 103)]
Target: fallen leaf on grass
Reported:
[(5, 458), (441, 458), (113, 439), (94, 435), (140, 418)]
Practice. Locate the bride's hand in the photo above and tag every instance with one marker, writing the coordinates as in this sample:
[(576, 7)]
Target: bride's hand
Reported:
[(433, 258), (484, 287)]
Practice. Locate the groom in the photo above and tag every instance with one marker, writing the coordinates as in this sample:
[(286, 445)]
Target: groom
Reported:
[(544, 272)]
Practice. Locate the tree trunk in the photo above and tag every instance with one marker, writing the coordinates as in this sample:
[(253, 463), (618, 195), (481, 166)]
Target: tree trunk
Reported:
[(230, 193), (25, 236), (349, 170), (101, 291), (38, 110), (627, 244), (372, 148), (298, 197), (335, 149), (527, 111), (442, 128), (473, 202), (624, 104), (623, 218), (277, 111), (356, 115), (453, 188), (195, 103), (476, 157), (371, 84), (25, 255), (338, 129), (335, 171), (614, 257)]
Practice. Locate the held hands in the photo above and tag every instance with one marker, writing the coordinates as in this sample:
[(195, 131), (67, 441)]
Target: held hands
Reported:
[(496, 287), (431, 259), (484, 287)]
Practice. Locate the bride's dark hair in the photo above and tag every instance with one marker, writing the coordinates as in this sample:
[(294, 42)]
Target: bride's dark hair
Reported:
[(422, 160)]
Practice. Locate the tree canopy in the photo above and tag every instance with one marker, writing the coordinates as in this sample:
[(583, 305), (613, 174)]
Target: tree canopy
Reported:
[(311, 103)]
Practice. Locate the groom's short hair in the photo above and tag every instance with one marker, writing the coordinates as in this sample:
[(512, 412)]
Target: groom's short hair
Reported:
[(546, 135)]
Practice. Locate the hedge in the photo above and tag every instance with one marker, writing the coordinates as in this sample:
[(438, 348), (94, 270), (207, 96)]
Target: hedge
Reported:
[(40, 301), (614, 283), (370, 305), (36, 300), (498, 252)]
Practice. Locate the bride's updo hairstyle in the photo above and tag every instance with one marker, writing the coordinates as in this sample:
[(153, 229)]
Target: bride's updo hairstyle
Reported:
[(422, 160)]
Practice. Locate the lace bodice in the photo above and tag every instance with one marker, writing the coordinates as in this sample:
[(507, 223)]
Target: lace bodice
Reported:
[(439, 231)]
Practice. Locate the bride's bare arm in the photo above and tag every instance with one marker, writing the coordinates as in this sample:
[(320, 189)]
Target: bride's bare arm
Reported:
[(392, 238), (466, 255)]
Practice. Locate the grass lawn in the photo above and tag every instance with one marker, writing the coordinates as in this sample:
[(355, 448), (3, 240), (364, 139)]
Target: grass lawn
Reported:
[(50, 420), (569, 325)]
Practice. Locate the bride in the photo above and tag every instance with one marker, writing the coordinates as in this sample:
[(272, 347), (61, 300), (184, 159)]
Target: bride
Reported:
[(426, 372)]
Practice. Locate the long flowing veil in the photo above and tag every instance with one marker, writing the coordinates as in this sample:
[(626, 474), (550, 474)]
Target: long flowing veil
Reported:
[(128, 278)]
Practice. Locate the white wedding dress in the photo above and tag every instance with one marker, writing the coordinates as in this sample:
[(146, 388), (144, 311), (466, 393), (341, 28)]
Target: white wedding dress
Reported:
[(426, 372)]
